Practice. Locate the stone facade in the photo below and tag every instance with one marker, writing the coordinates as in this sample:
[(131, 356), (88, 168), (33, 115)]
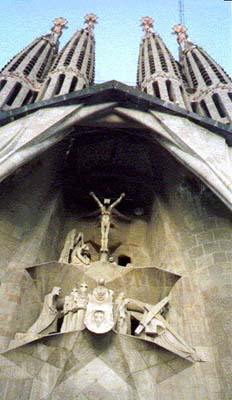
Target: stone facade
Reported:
[(169, 239)]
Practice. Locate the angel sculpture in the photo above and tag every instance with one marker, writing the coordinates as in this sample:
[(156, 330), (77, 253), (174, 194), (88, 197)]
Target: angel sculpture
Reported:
[(75, 251)]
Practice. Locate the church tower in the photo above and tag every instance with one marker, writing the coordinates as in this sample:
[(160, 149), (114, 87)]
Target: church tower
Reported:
[(209, 85), (158, 73), (21, 78), (73, 68)]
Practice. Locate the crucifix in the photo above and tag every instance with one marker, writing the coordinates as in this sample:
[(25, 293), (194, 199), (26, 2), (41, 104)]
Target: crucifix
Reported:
[(106, 211)]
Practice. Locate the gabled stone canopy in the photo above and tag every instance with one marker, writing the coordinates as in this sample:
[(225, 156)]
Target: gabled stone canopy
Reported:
[(202, 145)]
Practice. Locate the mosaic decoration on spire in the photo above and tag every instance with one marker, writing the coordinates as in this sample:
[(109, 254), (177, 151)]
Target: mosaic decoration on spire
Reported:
[(181, 32), (90, 20), (59, 24), (147, 24)]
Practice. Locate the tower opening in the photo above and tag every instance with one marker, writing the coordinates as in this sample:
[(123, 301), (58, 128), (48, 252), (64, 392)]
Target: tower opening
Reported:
[(205, 108), (219, 105), (59, 84), (13, 94)]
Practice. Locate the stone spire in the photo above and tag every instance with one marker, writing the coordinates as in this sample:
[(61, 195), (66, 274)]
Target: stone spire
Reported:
[(21, 78), (209, 85), (73, 68), (158, 73)]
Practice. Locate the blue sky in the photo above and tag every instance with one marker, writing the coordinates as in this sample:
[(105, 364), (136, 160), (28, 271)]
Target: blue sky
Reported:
[(118, 33)]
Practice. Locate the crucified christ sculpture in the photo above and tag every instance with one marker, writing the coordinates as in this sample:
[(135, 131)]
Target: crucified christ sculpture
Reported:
[(106, 211)]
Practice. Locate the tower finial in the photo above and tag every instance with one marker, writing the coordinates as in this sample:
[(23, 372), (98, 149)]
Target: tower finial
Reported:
[(147, 24), (181, 32), (90, 20), (59, 25)]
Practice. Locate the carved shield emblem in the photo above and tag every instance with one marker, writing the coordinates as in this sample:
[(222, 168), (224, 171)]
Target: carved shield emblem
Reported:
[(99, 314)]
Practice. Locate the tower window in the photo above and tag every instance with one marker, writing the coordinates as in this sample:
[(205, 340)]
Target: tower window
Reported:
[(2, 84), (151, 57), (30, 97), (42, 70), (81, 59), (33, 60), (161, 57), (21, 57), (59, 56), (202, 69), (27, 98), (124, 260), (194, 106), (219, 105), (170, 90), (59, 84), (192, 74), (215, 68), (156, 89), (13, 94), (205, 108), (73, 84)]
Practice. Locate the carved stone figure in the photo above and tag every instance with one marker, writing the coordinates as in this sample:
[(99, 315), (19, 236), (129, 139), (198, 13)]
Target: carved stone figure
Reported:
[(80, 252), (80, 301), (75, 251), (122, 315), (47, 321), (74, 309), (106, 211), (99, 313), (152, 326), (73, 299), (165, 336), (68, 305)]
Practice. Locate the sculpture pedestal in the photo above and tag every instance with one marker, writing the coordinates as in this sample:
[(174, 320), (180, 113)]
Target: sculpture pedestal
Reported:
[(104, 255)]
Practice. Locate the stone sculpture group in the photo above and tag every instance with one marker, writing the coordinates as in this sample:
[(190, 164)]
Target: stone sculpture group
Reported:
[(99, 313)]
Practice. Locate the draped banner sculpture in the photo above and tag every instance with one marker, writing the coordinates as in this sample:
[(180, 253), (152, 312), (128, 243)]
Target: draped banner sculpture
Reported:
[(75, 251), (99, 313)]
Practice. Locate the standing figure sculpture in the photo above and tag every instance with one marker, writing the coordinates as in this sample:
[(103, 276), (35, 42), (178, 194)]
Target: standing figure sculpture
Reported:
[(67, 311), (74, 309), (46, 322), (79, 308), (106, 211)]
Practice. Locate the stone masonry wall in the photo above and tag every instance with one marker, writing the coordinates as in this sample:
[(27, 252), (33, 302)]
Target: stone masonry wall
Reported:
[(195, 230)]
